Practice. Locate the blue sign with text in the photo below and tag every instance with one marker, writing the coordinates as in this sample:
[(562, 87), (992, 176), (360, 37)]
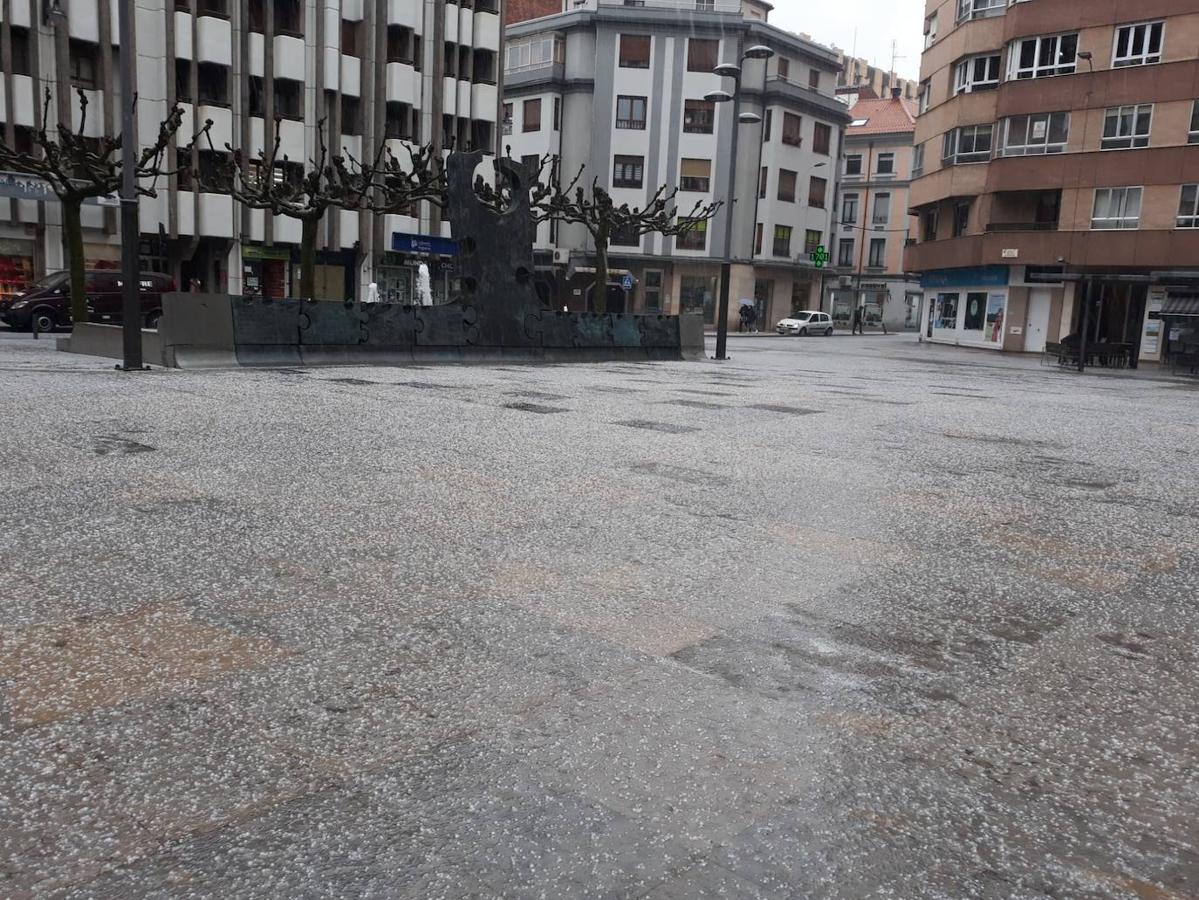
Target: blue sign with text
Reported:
[(424, 244), (973, 276)]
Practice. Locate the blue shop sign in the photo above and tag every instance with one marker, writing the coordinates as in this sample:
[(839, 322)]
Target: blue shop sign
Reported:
[(423, 243), (974, 276)]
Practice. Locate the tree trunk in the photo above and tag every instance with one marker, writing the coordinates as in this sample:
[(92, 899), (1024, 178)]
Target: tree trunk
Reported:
[(308, 257), (72, 245), (599, 293)]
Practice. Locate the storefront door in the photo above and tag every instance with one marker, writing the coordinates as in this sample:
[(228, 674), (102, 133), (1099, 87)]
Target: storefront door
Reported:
[(1036, 327)]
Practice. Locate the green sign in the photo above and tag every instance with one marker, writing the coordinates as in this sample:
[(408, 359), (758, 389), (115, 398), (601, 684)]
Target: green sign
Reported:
[(819, 257)]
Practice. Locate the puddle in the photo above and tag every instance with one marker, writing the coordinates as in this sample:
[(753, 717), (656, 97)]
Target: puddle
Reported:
[(114, 445), (535, 408), (537, 395), (664, 427), (789, 410), (695, 404)]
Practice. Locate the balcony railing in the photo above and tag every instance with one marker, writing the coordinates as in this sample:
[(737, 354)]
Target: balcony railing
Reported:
[(729, 6), (1020, 226)]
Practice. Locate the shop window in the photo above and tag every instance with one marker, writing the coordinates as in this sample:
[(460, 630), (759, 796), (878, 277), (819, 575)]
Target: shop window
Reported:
[(695, 237), (702, 54), (786, 189), (695, 175), (782, 240), (699, 116), (945, 316), (817, 192), (628, 171), (697, 294), (634, 51)]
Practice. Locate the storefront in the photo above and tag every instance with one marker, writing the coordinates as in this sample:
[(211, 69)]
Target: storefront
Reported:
[(398, 273), (16, 268), (265, 271), (966, 307)]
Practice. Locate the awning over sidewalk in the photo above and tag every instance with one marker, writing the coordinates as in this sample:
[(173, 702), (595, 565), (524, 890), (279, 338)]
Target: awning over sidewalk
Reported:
[(1181, 306)]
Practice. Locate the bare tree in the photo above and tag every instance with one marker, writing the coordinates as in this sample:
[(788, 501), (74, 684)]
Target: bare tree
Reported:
[(272, 182), (593, 208), (79, 168)]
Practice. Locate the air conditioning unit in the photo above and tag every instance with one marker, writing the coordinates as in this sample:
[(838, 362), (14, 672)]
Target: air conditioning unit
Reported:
[(845, 281), (561, 257)]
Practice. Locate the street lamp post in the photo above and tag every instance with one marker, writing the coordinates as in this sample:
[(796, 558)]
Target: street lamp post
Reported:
[(131, 307), (733, 71)]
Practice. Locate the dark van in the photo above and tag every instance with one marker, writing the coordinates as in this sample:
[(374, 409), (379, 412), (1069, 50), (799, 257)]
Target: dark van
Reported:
[(46, 304)]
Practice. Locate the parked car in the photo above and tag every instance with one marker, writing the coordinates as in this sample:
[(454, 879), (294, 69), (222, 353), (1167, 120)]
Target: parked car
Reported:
[(46, 304), (807, 322)]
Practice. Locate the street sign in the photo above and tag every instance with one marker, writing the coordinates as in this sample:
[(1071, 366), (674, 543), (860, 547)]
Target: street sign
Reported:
[(819, 257), (627, 281)]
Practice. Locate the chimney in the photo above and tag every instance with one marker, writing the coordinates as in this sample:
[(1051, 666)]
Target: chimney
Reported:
[(896, 92)]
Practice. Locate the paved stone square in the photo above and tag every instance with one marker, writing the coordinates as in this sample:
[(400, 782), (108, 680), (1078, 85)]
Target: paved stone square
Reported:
[(839, 617)]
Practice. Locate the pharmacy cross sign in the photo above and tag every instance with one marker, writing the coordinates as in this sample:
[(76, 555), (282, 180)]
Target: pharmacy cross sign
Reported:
[(819, 257)]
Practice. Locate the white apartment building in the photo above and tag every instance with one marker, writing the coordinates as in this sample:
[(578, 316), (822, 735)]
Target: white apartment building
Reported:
[(373, 70), (620, 89)]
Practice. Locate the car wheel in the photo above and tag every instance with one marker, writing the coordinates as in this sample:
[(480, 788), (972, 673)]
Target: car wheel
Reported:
[(828, 332), (152, 320), (803, 332), (43, 320)]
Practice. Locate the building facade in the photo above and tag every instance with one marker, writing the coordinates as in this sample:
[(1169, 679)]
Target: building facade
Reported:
[(423, 71), (873, 223), (620, 90), (1057, 187)]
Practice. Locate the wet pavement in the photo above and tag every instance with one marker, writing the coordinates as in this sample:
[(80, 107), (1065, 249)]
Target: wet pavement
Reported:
[(843, 618)]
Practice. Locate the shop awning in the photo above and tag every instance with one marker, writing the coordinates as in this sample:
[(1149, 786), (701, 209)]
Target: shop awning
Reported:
[(1181, 306)]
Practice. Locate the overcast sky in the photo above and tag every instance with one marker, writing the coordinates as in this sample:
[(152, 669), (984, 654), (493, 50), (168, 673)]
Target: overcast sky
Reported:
[(877, 22)]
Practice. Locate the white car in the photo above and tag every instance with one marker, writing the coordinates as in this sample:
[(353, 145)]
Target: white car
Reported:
[(807, 322)]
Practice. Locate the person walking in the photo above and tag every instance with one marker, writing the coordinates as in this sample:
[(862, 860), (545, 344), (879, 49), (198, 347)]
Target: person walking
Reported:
[(857, 321)]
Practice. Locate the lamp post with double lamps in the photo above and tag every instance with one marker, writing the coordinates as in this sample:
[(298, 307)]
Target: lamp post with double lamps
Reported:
[(733, 71)]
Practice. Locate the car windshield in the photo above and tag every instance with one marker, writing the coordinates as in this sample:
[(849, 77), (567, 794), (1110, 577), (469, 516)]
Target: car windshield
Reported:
[(802, 316), (53, 280)]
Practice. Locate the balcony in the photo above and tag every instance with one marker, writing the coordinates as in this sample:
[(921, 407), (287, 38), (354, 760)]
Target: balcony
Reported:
[(994, 227)]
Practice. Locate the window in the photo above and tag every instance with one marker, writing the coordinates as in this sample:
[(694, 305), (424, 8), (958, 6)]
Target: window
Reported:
[(289, 98), (350, 37), (821, 138), (1041, 57), (758, 229), (1036, 134), (183, 82), (399, 121), (702, 54), (979, 73), (531, 163), (924, 98), (695, 237), (630, 113), (845, 252), (401, 45), (1118, 208), (784, 68), (85, 63), (928, 224), (1127, 127), (968, 144), (482, 66), (20, 51), (628, 171), (634, 51), (882, 209), (885, 164), (1188, 207), (878, 253), (763, 176), (1138, 45), (534, 53), (930, 31), (557, 114), (766, 123), (212, 85), (289, 18), (917, 160), (791, 126), (782, 240), (811, 240), (695, 175), (817, 188), (961, 217), (1193, 134), (786, 191), (626, 237), (531, 115), (853, 164), (980, 9), (814, 79), (699, 116), (351, 115), (507, 118), (849, 209)]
